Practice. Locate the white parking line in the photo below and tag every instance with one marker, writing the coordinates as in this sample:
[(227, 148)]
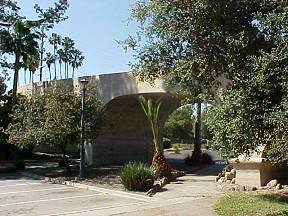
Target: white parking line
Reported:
[(47, 200), (94, 209), (25, 184), (39, 190)]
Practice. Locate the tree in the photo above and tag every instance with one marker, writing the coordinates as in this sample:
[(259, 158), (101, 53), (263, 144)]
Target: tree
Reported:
[(21, 42), (179, 125), (68, 46), (254, 111), (76, 60), (50, 59), (55, 40), (53, 119), (47, 19), (195, 45), (5, 119), (151, 110)]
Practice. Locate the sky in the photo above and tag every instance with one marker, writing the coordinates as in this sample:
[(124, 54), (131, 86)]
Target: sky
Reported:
[(96, 26)]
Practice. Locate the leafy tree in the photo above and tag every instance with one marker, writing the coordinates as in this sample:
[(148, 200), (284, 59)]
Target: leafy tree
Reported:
[(179, 125), (195, 45), (254, 111), (47, 19), (5, 119), (53, 119), (151, 110)]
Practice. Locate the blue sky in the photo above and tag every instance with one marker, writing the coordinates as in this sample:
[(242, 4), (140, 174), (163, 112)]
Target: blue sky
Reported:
[(95, 25)]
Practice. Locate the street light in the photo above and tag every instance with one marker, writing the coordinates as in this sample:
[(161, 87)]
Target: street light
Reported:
[(83, 83)]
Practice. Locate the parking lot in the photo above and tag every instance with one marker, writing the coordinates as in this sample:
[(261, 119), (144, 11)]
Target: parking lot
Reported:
[(22, 196), (193, 194)]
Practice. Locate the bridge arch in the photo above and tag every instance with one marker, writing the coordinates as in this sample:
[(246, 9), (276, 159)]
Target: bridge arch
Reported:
[(129, 135)]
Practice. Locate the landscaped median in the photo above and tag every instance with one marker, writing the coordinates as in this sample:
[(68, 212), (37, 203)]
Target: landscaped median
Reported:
[(264, 203)]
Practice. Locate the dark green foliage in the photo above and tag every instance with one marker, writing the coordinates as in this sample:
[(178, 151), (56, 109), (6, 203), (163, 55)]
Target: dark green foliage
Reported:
[(137, 177), (205, 159), (8, 169), (20, 165), (61, 163), (179, 126), (53, 118), (167, 143)]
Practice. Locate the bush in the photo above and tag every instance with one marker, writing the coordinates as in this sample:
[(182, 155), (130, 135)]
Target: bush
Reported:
[(167, 143), (137, 177), (8, 169), (205, 159), (61, 163), (20, 165)]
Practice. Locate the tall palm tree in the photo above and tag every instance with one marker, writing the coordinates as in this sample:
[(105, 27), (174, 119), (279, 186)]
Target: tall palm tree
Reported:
[(60, 55), (55, 40), (76, 60), (31, 63), (68, 46), (151, 110), (21, 42), (49, 61)]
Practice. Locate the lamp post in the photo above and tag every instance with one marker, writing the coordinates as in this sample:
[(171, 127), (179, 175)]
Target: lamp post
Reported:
[(82, 124)]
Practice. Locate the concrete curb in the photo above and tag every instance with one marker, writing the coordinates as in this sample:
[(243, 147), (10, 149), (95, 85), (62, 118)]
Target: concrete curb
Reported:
[(123, 194)]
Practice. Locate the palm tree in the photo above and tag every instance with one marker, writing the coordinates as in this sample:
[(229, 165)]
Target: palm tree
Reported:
[(77, 60), (60, 54), (151, 110), (21, 42), (55, 40), (68, 46), (31, 63), (49, 61)]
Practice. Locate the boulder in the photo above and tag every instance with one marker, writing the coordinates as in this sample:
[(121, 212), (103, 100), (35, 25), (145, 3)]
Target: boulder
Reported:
[(229, 176), (221, 180), (273, 183), (279, 186), (233, 181)]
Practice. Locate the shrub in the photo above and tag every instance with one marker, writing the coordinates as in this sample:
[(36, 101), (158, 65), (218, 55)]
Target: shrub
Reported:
[(137, 177), (8, 169), (205, 159), (166, 143), (61, 163), (20, 165)]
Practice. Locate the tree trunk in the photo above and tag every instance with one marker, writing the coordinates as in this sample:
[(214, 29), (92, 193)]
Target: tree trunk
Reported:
[(25, 80), (16, 74), (41, 54), (55, 70), (50, 74), (73, 73), (66, 161), (197, 142), (160, 164), (60, 67)]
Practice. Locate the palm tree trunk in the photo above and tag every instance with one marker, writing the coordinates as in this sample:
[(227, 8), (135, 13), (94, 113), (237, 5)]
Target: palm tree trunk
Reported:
[(25, 77), (197, 143), (73, 73), (41, 54), (50, 74), (55, 63), (60, 65), (16, 74)]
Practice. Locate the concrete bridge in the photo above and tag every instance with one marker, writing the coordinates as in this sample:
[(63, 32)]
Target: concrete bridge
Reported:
[(129, 138)]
